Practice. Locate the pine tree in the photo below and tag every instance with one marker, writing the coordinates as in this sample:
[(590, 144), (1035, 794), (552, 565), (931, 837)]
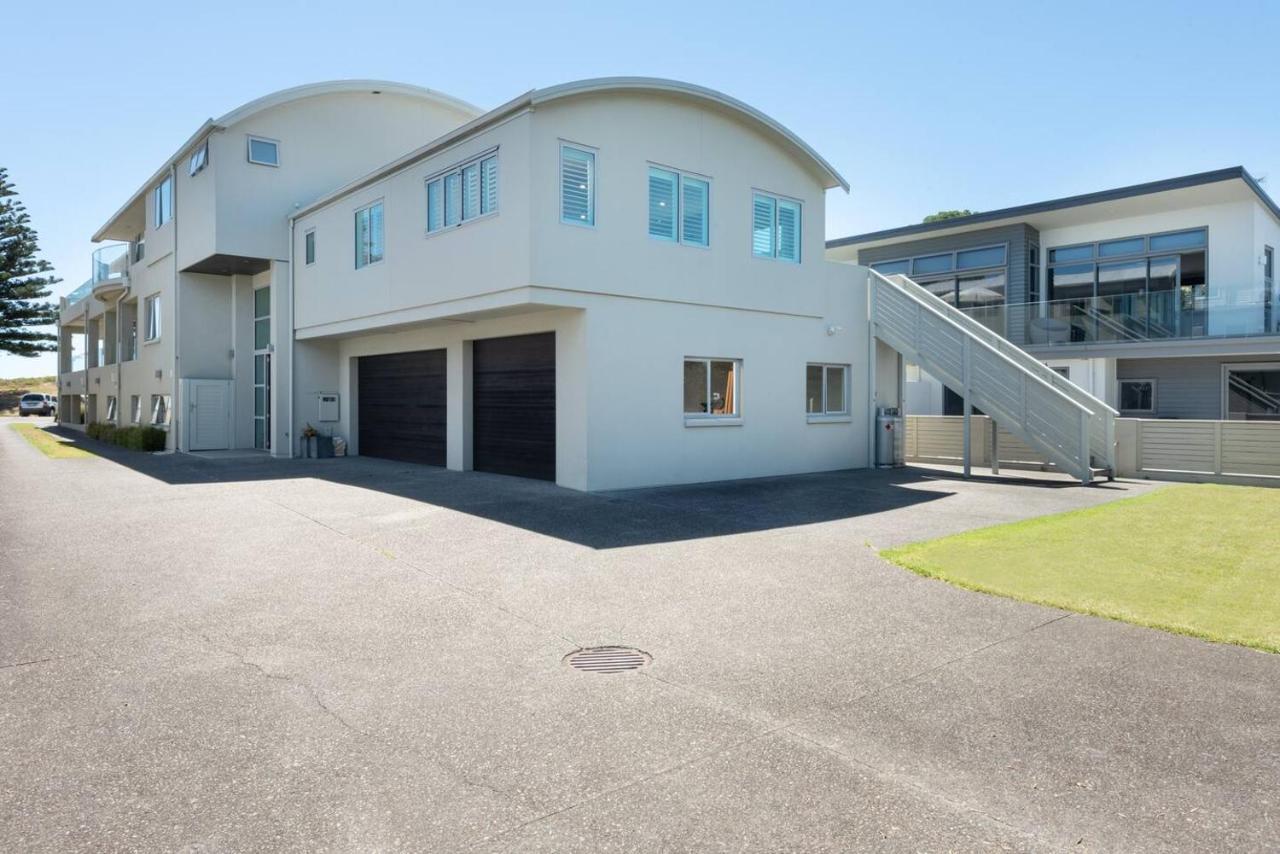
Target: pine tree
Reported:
[(21, 282)]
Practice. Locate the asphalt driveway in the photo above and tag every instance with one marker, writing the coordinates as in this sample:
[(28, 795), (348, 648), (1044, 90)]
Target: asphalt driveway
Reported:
[(236, 654)]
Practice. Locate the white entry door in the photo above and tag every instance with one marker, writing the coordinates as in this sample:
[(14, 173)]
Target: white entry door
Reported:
[(209, 410)]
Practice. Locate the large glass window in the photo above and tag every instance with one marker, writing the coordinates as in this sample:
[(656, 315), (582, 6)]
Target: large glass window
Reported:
[(1253, 392), (824, 387), (711, 387), (369, 235), (1158, 291), (463, 193)]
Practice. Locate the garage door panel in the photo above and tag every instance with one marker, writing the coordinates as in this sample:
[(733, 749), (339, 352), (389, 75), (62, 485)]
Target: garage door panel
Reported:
[(514, 405), (402, 406)]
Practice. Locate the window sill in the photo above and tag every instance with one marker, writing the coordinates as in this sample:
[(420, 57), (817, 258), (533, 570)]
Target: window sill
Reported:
[(448, 229), (829, 419), (713, 421)]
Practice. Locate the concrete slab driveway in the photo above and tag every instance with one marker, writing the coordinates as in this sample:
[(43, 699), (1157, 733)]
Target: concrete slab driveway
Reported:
[(240, 654)]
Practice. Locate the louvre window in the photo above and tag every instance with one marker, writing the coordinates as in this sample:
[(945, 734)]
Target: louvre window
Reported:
[(463, 193), (775, 228), (577, 186), (677, 207)]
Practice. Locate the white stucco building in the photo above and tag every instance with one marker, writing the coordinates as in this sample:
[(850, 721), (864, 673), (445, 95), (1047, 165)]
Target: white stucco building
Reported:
[(611, 283)]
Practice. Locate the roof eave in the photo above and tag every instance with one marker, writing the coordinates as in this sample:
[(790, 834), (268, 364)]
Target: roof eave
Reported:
[(1195, 180)]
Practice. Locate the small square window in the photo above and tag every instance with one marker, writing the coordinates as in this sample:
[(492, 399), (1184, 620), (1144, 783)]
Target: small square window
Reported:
[(265, 152), (1138, 396), (825, 389), (775, 228), (199, 158)]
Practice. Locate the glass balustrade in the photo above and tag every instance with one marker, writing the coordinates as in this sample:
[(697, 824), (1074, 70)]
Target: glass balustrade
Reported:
[(1189, 312), (110, 262)]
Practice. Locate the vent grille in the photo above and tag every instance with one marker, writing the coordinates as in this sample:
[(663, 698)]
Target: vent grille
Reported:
[(607, 659)]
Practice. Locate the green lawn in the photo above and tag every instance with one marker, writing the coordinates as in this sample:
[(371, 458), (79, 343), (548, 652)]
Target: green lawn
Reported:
[(1198, 559), (49, 444)]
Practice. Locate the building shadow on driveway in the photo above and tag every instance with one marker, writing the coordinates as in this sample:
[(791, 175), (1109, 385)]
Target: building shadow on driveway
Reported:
[(600, 520)]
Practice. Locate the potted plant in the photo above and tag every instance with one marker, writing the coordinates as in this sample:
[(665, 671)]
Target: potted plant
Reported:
[(308, 433)]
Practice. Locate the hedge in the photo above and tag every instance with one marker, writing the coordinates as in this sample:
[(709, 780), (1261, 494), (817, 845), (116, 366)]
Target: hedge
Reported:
[(133, 438)]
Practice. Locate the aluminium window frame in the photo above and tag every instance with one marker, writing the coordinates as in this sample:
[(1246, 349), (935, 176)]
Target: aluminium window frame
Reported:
[(826, 415), (442, 175), (147, 302), (1227, 368), (709, 419), (592, 211), (135, 409), (309, 246), (1137, 412), (250, 139), (156, 401), (910, 261), (1098, 260), (157, 210), (777, 229), (199, 158), (355, 253), (680, 174)]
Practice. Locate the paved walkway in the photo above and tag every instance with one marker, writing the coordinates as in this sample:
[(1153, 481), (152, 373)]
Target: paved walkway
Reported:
[(246, 654)]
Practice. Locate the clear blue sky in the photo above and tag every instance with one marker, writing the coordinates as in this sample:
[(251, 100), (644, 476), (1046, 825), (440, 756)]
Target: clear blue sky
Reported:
[(920, 105)]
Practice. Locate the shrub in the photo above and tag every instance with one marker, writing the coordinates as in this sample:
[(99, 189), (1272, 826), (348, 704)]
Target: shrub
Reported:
[(133, 438)]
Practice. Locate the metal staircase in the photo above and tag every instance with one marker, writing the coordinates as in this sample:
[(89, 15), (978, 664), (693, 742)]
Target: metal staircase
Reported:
[(1074, 429)]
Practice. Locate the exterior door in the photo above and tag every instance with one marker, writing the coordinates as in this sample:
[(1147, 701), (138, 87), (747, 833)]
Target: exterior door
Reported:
[(210, 410)]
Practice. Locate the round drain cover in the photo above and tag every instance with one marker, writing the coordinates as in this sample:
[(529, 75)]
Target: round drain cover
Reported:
[(607, 659)]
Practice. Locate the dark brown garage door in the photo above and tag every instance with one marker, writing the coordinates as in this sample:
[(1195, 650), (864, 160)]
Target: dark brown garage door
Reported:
[(402, 406), (513, 405)]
